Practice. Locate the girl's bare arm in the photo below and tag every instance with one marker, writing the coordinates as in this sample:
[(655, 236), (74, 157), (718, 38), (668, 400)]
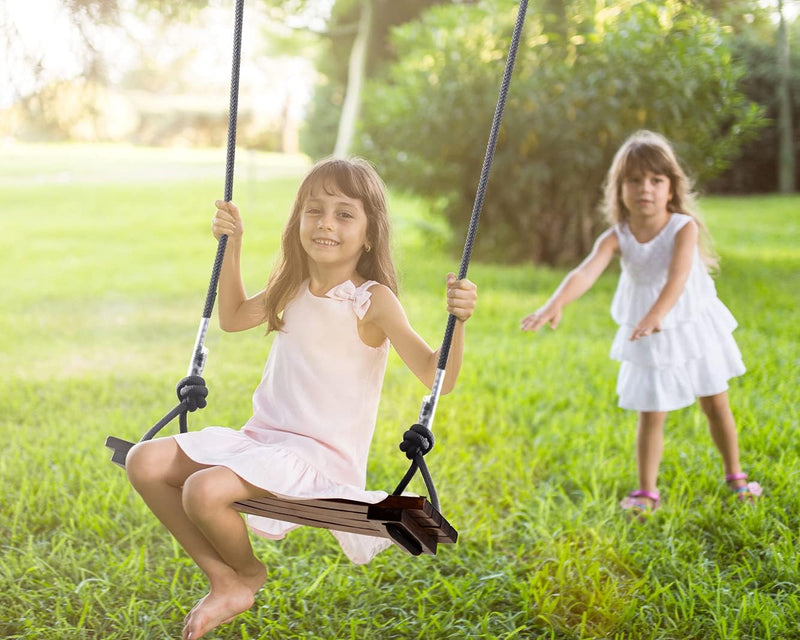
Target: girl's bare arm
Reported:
[(237, 311), (387, 315), (575, 284)]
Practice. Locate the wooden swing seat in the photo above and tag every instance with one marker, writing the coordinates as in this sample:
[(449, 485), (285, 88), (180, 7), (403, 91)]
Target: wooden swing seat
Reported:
[(410, 521)]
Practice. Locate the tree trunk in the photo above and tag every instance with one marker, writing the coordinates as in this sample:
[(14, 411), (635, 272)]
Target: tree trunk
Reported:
[(356, 72), (786, 159)]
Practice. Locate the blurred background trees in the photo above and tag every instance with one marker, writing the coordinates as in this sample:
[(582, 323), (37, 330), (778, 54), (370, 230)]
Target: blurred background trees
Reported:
[(412, 85), (585, 79), (353, 24)]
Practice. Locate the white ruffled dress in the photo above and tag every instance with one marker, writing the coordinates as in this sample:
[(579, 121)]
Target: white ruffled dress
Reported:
[(694, 354), (314, 414)]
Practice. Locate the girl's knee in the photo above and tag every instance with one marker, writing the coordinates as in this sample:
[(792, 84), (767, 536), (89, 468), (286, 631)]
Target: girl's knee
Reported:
[(136, 464), (206, 492), (144, 463), (652, 421), (715, 406), (199, 495)]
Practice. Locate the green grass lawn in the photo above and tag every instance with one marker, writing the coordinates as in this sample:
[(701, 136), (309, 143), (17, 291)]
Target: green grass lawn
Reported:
[(106, 254)]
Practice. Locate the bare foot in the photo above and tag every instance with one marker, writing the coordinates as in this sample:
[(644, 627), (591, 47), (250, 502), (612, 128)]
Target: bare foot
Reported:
[(223, 604), (196, 604)]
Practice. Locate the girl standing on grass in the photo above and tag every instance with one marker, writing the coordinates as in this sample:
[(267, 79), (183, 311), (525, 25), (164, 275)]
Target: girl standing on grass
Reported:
[(332, 301), (675, 338)]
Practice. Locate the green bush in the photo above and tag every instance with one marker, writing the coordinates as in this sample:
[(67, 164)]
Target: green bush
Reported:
[(755, 170), (584, 81)]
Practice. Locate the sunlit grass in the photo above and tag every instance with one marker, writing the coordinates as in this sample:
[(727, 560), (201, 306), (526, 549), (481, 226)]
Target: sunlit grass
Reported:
[(103, 282)]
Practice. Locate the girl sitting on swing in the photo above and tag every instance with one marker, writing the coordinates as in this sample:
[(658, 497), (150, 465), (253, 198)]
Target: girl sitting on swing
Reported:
[(332, 301)]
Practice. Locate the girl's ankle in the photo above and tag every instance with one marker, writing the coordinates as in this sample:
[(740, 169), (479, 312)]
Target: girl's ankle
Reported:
[(641, 502), (736, 480)]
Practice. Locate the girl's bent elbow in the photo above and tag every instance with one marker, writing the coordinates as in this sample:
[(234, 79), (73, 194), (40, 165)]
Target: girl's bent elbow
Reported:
[(228, 327)]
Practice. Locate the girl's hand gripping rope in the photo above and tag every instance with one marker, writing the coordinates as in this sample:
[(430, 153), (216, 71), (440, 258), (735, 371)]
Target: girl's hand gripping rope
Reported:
[(462, 296), (227, 221)]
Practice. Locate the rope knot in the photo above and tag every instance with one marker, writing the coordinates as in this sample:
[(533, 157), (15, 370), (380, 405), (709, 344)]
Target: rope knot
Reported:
[(192, 391), (418, 439)]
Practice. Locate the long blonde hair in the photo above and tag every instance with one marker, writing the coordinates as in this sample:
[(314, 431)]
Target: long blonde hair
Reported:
[(354, 178), (649, 151)]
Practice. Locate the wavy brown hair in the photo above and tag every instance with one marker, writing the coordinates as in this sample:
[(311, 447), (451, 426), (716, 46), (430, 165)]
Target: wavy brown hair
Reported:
[(649, 151), (355, 178)]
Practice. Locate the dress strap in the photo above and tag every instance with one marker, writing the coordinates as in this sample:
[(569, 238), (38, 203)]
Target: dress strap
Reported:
[(679, 220), (624, 236)]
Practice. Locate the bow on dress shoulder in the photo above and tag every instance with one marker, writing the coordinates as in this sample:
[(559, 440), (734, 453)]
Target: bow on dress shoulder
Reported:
[(359, 296)]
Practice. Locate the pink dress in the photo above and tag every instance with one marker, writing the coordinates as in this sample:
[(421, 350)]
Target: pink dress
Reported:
[(314, 414), (695, 353)]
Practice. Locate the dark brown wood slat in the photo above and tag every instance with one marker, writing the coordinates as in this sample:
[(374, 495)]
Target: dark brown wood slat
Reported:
[(322, 519), (300, 510), (422, 511), (443, 533), (354, 511), (415, 513), (426, 541), (319, 516), (120, 450), (338, 510)]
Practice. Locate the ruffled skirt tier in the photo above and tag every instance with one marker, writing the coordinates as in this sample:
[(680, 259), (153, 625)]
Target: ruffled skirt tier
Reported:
[(668, 370)]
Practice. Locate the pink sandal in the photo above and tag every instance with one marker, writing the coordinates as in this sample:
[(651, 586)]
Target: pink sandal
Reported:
[(638, 508), (747, 492)]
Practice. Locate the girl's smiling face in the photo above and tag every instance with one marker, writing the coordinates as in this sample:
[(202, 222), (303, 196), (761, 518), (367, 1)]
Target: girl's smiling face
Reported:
[(646, 194), (333, 228)]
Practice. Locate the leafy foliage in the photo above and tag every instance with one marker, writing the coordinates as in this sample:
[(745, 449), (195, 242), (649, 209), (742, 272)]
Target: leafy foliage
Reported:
[(584, 80), (332, 63), (754, 169)]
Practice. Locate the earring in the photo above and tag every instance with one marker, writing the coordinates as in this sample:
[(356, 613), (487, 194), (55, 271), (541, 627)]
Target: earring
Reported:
[(368, 247)]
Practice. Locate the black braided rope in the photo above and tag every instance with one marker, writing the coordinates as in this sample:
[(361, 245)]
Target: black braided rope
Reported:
[(192, 393), (179, 410), (418, 441), (192, 390), (417, 455), (484, 179), (233, 111)]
